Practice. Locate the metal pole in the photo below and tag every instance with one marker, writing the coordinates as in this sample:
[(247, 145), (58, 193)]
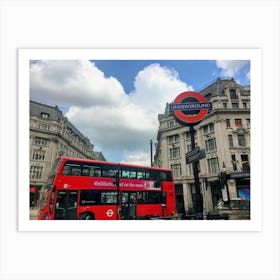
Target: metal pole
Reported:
[(198, 197), (226, 184), (151, 149), (117, 183)]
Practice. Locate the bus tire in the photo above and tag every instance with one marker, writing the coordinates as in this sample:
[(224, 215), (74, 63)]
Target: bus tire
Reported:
[(87, 216)]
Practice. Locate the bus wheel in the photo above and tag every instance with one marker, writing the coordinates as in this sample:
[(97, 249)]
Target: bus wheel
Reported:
[(87, 216)]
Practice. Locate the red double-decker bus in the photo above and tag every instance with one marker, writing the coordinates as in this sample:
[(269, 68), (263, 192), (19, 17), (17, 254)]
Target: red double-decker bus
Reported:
[(97, 190)]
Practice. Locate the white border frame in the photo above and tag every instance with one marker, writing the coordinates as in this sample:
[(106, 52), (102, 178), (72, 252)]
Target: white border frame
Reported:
[(254, 55)]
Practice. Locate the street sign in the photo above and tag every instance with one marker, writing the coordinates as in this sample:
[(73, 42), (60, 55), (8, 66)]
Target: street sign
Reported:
[(239, 175), (190, 107), (195, 155)]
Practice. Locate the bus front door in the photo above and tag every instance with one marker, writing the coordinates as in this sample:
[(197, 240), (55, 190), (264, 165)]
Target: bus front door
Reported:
[(128, 209), (66, 205)]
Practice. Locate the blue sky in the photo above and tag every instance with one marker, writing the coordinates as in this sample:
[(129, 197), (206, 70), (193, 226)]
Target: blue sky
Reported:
[(198, 73), (115, 103)]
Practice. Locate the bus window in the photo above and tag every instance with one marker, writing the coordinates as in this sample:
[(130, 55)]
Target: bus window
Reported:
[(91, 170), (73, 169), (66, 205), (125, 173), (128, 173), (90, 197), (60, 201), (108, 197), (132, 174), (109, 171), (148, 175), (166, 176), (149, 197), (163, 197), (155, 175), (140, 174)]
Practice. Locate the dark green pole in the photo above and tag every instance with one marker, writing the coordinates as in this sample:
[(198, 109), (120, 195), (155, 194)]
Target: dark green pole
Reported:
[(151, 149)]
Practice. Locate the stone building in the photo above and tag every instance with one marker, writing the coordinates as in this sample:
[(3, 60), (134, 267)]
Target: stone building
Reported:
[(224, 135), (51, 136)]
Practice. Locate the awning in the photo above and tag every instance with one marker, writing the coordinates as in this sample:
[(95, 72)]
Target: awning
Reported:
[(32, 189)]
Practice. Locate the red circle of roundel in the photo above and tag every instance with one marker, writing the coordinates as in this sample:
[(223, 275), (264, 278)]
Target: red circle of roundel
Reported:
[(190, 119)]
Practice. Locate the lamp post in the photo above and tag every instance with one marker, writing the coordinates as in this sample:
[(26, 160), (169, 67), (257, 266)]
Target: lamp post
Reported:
[(224, 175), (151, 149)]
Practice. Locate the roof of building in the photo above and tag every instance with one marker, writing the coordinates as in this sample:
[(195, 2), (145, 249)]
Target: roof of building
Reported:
[(99, 156), (36, 109), (53, 113), (217, 87)]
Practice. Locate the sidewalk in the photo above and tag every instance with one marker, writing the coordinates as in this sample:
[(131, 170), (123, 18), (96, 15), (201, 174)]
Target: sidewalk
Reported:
[(33, 212)]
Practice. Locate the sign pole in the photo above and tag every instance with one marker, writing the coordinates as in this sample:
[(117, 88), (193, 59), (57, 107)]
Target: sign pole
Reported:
[(198, 198), (190, 108)]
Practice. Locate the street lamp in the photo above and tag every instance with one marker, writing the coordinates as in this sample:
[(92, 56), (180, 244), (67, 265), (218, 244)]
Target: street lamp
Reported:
[(224, 177)]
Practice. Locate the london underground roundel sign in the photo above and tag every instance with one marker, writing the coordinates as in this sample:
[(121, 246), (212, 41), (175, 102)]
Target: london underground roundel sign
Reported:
[(190, 107)]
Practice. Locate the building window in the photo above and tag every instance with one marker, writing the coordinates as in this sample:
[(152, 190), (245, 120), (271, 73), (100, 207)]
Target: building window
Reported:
[(234, 105), (36, 172), (45, 115), (41, 141), (248, 123), (189, 147), (233, 160), (39, 155), (188, 135), (176, 170), (245, 163), (244, 105), (233, 94), (205, 129), (225, 105), (208, 128), (210, 145), (171, 124), (213, 165), (230, 140), (174, 152), (173, 138), (238, 122), (228, 123), (44, 126), (241, 140)]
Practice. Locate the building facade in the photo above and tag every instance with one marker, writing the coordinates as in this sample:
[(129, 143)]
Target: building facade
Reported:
[(224, 135), (51, 136)]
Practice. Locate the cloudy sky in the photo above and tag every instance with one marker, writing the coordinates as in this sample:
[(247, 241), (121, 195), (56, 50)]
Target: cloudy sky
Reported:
[(115, 103)]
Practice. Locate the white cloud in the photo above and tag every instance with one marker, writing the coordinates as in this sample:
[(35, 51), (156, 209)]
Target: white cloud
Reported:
[(137, 157), (73, 82), (100, 108), (230, 68), (248, 76), (156, 85)]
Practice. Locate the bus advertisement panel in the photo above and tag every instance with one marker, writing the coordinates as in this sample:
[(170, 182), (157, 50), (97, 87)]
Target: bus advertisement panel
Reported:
[(89, 190)]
